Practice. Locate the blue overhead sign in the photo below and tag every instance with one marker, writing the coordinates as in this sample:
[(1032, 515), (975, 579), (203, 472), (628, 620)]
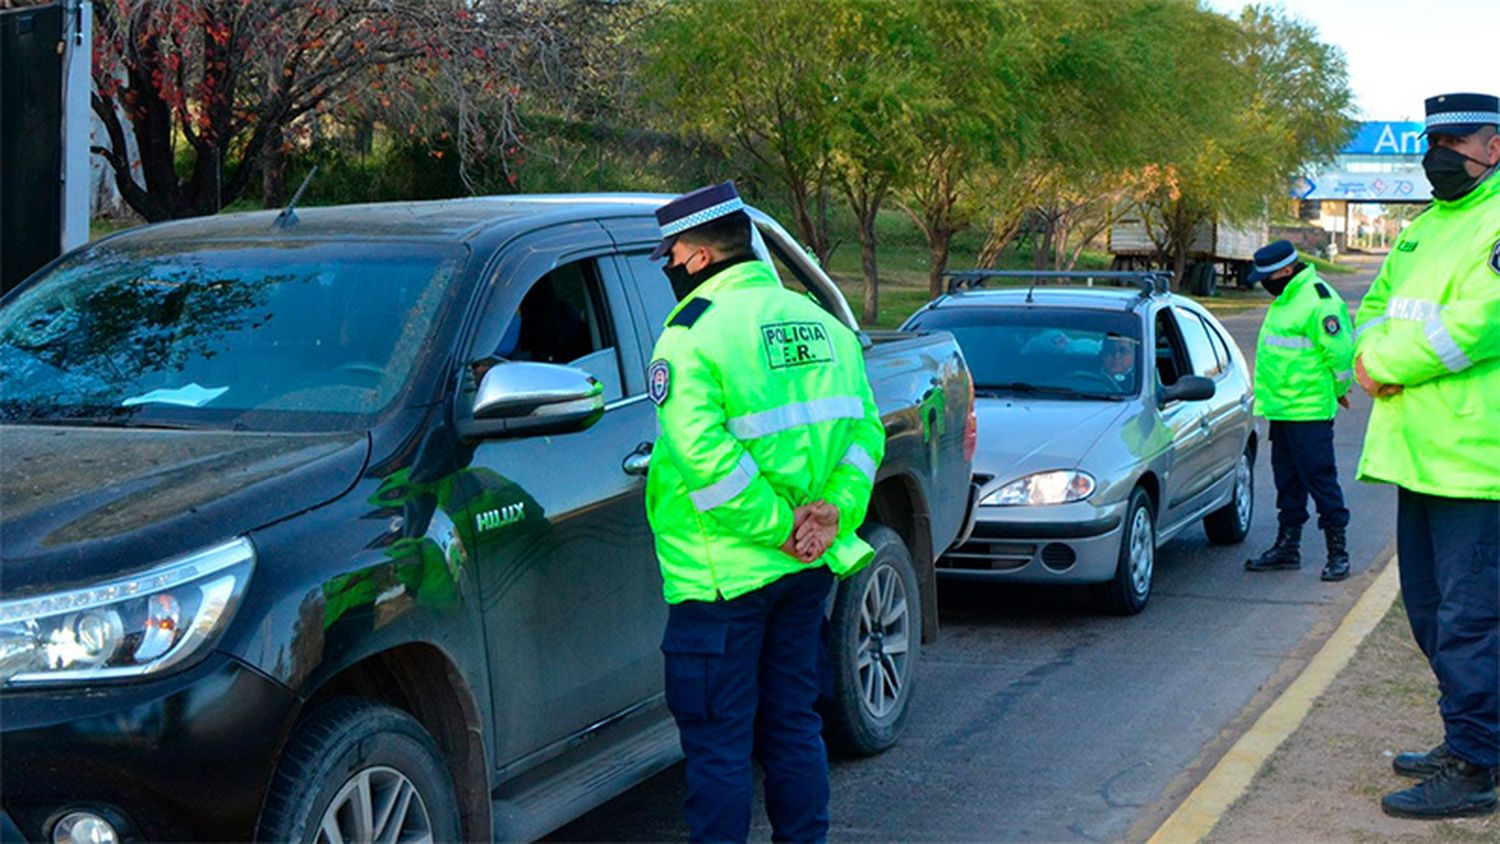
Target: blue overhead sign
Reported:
[(1385, 137)]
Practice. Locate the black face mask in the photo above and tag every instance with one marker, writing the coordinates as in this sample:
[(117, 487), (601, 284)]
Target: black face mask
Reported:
[(1445, 170), (684, 282), (1277, 285)]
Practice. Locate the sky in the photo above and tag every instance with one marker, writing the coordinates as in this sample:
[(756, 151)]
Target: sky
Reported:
[(1400, 52)]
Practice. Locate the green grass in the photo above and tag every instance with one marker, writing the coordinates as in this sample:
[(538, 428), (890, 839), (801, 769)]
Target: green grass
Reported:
[(1325, 266)]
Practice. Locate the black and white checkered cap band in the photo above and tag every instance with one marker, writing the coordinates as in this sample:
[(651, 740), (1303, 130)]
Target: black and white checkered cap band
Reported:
[(698, 218), (1284, 262), (1448, 118)]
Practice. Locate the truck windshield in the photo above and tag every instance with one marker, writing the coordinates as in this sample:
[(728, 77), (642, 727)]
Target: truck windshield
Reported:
[(218, 335), (1064, 353)]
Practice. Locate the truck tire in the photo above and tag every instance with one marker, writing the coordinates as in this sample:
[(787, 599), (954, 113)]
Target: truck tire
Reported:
[(874, 644), (1230, 524), (1130, 588), (366, 769)]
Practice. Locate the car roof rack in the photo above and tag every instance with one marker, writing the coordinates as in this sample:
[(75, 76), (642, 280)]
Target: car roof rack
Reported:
[(1150, 283)]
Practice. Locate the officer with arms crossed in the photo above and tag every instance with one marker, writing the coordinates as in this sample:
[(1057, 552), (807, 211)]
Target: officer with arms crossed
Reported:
[(769, 444), (1428, 351), (1303, 368)]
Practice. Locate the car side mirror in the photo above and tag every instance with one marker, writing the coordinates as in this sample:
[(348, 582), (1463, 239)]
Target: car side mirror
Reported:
[(518, 397), (1189, 388)]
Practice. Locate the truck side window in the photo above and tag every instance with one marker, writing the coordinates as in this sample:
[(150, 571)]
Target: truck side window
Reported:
[(564, 319)]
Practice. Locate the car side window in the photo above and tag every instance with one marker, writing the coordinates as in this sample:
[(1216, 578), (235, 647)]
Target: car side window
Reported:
[(564, 318), (1201, 352), (1221, 346), (1171, 353)]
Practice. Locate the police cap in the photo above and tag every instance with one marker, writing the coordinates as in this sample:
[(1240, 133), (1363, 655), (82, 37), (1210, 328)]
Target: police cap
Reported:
[(1461, 114), (694, 209), (1272, 257)]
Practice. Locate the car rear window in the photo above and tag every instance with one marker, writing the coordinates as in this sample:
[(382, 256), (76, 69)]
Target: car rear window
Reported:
[(258, 336)]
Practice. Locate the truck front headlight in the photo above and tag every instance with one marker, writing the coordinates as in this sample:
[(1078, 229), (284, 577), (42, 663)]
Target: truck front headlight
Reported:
[(128, 627), (1057, 487)]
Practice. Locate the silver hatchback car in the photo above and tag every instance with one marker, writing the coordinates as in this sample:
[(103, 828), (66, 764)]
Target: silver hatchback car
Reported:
[(1110, 420)]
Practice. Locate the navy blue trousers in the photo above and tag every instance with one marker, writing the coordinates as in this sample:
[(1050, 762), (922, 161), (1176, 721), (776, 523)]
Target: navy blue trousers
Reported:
[(1450, 581), (742, 679), (1302, 464)]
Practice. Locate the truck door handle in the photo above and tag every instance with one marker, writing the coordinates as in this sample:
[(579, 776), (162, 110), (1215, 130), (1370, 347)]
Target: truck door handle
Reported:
[(638, 462)]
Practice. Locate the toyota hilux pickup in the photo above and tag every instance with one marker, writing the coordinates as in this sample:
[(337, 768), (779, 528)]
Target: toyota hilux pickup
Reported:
[(330, 525)]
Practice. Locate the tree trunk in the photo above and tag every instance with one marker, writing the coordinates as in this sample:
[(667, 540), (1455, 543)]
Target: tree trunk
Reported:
[(939, 244), (867, 264), (273, 164)]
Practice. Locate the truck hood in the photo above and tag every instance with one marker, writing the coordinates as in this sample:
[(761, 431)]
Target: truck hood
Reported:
[(1020, 436), (80, 504)]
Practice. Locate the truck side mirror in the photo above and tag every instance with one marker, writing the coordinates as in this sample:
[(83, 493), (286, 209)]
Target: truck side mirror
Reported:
[(1189, 388), (518, 397)]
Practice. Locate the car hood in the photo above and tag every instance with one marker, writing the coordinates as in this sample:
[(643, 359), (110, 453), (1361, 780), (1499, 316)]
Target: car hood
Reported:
[(79, 504), (1021, 436)]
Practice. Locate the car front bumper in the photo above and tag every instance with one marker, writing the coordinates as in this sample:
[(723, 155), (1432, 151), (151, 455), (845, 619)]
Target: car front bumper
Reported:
[(1064, 543), (184, 757)]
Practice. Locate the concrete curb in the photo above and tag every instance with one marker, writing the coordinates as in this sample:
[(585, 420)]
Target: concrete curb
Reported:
[(1231, 777)]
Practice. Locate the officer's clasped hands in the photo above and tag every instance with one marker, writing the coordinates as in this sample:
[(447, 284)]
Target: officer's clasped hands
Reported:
[(815, 527), (1375, 389)]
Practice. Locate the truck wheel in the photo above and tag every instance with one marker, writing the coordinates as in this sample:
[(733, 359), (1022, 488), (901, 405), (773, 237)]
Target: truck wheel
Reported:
[(1130, 589), (1229, 524), (874, 644), (357, 770)]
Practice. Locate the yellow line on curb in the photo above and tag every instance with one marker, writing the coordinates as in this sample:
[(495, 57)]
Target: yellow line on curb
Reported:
[(1230, 778)]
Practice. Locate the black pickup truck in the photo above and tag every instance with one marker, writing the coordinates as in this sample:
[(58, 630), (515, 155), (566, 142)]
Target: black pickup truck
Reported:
[(333, 528)]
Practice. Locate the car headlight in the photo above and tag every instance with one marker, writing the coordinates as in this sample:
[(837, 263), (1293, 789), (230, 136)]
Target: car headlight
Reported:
[(1057, 487), (132, 626)]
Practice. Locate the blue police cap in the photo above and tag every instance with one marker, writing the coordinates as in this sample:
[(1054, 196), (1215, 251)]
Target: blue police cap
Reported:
[(1461, 114), (1272, 257), (694, 209)]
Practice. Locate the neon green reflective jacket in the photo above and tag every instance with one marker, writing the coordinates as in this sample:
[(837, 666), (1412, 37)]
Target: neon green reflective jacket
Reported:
[(763, 406), (1431, 322), (1304, 357)]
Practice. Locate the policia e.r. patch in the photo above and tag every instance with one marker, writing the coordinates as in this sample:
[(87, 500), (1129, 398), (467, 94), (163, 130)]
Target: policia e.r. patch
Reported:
[(790, 344)]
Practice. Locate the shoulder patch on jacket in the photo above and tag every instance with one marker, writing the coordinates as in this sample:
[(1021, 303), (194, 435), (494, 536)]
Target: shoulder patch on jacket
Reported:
[(1495, 258), (1322, 291), (659, 381), (689, 313), (1331, 325)]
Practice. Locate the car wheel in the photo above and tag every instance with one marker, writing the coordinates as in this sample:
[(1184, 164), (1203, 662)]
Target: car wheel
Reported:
[(1230, 524), (874, 643), (358, 770), (1129, 590)]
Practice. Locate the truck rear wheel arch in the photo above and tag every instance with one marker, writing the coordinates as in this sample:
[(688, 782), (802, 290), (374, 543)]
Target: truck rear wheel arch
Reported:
[(421, 681), (897, 502)]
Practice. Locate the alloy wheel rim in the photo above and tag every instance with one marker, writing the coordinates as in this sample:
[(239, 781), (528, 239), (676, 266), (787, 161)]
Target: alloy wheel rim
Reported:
[(1244, 497), (1142, 551), (884, 641), (378, 805)]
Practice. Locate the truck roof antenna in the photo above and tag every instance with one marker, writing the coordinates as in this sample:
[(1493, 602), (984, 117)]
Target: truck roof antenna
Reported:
[(288, 216)]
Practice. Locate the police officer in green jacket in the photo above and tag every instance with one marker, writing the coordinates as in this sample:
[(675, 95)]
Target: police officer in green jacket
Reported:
[(1428, 352), (1303, 369), (768, 448)]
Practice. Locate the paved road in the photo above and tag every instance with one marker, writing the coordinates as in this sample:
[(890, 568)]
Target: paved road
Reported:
[(1038, 720)]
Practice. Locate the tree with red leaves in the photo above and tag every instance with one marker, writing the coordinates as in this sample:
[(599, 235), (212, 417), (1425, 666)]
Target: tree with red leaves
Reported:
[(213, 90)]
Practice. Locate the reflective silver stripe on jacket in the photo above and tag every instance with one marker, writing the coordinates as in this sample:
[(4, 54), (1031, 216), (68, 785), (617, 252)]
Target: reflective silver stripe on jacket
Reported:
[(1369, 325), (860, 459), (721, 491), (1430, 315), (1288, 342), (753, 425)]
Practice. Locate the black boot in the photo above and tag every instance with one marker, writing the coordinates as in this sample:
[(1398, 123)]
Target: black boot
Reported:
[(1458, 789), (1337, 567), (1422, 765), (1283, 555)]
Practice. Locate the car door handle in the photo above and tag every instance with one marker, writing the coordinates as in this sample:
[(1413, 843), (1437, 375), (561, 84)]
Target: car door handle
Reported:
[(638, 462)]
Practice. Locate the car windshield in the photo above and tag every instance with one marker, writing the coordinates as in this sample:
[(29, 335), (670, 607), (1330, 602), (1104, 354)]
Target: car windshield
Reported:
[(1069, 353), (218, 335)]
